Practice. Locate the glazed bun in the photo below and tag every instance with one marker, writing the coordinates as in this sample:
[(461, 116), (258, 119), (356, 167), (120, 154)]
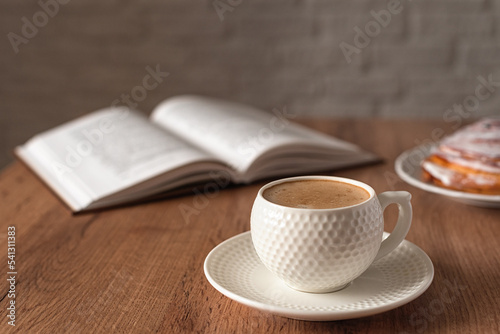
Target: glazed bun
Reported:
[(468, 160)]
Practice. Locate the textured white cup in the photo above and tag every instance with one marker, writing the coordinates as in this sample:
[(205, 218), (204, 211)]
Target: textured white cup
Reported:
[(323, 250)]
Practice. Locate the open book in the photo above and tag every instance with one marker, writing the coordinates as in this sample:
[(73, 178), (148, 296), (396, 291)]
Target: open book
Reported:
[(116, 155)]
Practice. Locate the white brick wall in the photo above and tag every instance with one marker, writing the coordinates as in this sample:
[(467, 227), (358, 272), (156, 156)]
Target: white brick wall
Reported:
[(263, 53)]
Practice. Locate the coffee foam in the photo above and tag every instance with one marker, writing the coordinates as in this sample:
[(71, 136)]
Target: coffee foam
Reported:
[(316, 194)]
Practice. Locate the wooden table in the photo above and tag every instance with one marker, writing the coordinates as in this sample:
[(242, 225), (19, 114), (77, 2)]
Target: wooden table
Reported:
[(139, 269)]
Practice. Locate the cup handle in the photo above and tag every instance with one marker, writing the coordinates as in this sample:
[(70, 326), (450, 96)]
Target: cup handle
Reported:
[(402, 199)]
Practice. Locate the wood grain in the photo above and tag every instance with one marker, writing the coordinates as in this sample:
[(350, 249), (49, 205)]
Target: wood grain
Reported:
[(139, 269)]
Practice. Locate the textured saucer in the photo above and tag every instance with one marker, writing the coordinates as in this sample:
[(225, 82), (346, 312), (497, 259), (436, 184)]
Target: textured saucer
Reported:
[(234, 269)]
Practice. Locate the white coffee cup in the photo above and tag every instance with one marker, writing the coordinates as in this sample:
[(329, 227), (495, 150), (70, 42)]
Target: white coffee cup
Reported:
[(323, 250)]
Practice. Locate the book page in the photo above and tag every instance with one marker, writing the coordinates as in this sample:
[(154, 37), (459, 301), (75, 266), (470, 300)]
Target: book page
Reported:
[(109, 150), (235, 133)]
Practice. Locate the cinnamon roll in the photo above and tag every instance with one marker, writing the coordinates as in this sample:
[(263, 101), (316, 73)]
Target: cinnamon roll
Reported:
[(468, 160)]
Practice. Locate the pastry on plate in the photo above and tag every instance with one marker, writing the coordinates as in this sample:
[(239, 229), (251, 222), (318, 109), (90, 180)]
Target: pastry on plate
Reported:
[(468, 160)]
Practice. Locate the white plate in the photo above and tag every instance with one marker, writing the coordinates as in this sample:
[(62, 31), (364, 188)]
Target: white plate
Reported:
[(234, 269), (408, 168)]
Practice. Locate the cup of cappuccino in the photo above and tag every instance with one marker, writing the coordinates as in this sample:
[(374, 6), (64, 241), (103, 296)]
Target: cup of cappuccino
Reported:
[(319, 233)]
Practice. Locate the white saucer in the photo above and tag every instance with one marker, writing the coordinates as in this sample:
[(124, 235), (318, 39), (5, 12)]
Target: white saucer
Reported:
[(234, 269), (408, 168)]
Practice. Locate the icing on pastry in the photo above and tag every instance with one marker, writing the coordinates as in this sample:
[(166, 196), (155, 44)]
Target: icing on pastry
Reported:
[(468, 160)]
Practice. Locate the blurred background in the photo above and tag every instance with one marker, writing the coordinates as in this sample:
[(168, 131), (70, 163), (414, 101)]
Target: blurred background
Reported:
[(60, 59)]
